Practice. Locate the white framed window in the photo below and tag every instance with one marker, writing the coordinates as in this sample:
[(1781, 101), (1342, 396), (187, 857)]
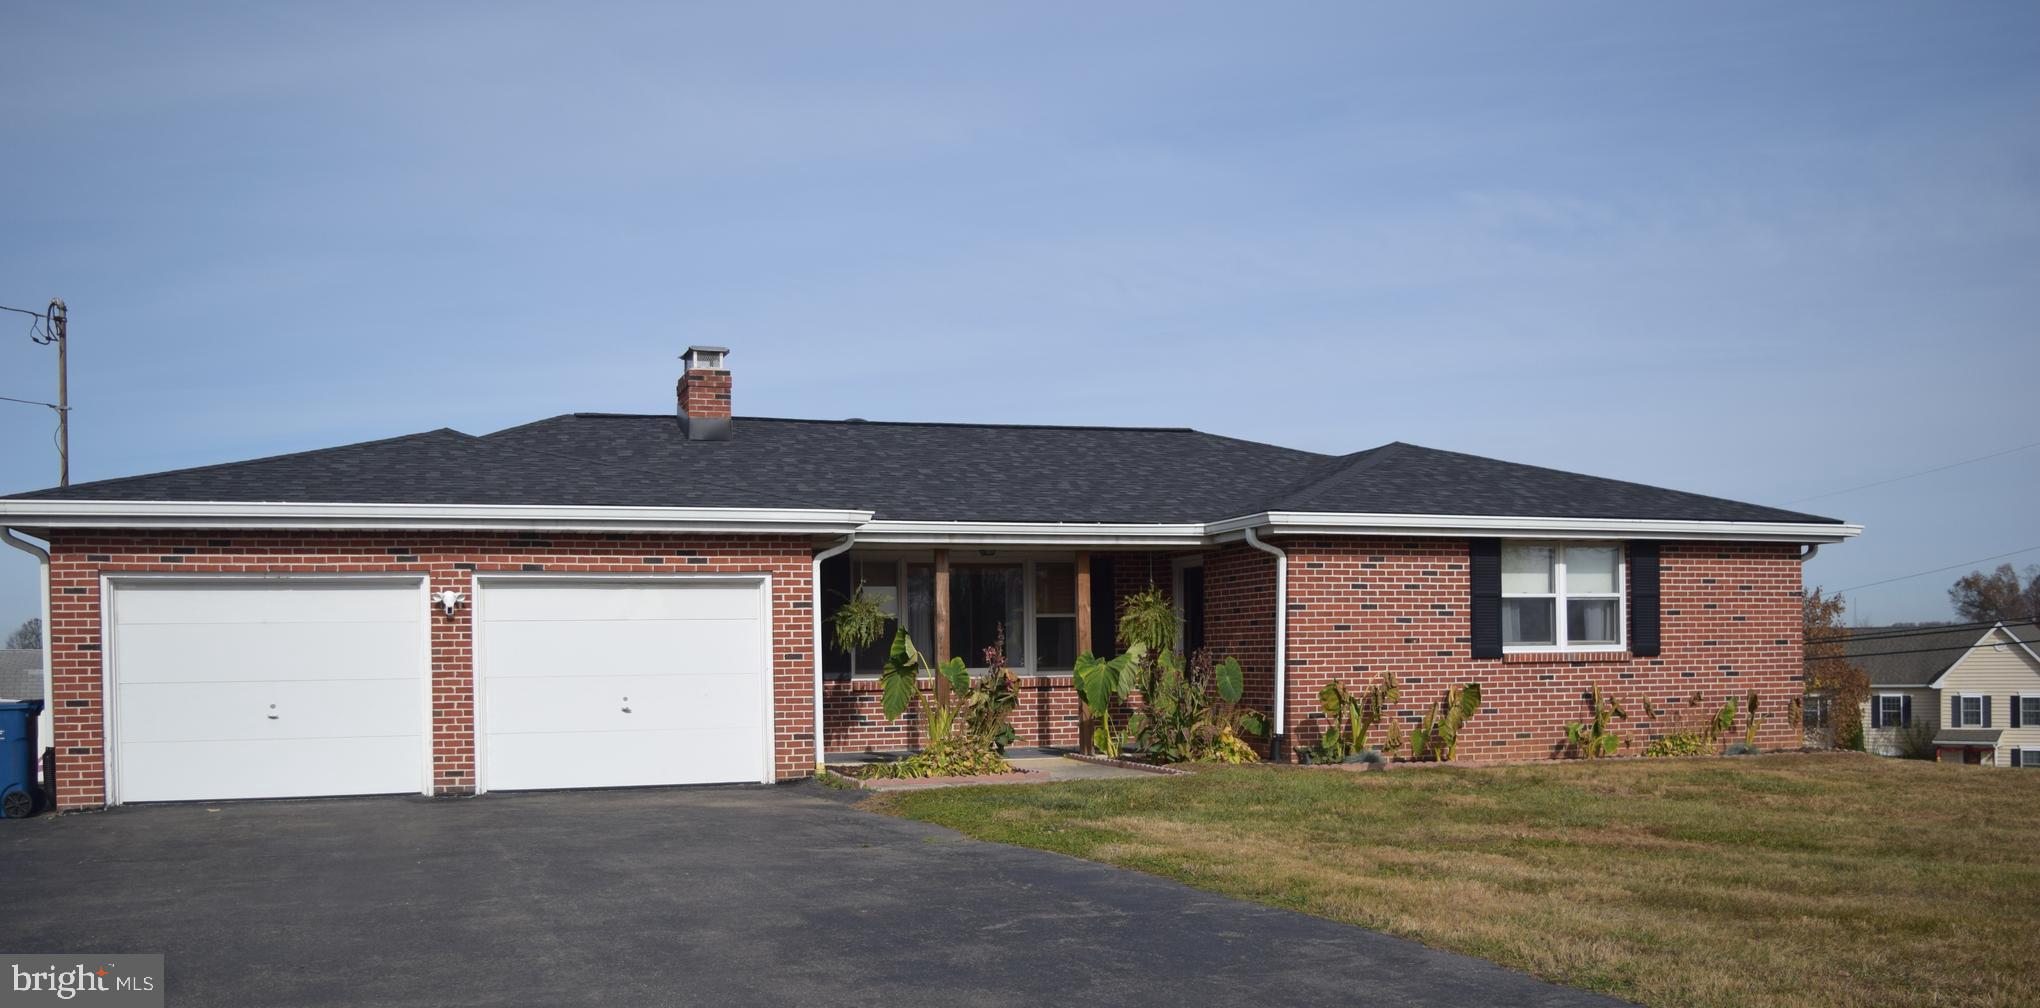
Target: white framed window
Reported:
[(1563, 596), (2029, 711), (1891, 710), (2029, 759), (1033, 598), (1969, 710)]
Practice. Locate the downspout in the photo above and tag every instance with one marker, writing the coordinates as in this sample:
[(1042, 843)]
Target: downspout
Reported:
[(816, 612), (1277, 740), (42, 557), (1811, 549)]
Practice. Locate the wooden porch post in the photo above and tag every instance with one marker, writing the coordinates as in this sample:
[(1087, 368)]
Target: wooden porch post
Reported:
[(1084, 726), (941, 620)]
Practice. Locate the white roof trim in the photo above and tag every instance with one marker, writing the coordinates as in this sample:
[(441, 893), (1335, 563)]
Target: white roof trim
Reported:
[(937, 533), (47, 513), (1314, 523), (43, 513), (2011, 638)]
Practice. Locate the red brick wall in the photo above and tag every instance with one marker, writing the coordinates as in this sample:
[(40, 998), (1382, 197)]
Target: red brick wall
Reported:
[(450, 560), (705, 394), (1360, 607), (852, 720)]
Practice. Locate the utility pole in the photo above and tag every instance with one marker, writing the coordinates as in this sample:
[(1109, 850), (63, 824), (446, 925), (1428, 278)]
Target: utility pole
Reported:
[(52, 325), (59, 323)]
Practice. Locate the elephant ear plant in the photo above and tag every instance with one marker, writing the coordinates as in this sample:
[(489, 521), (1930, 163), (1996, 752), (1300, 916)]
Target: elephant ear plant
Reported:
[(1353, 717), (1100, 684), (1438, 733), (1593, 739), (944, 751)]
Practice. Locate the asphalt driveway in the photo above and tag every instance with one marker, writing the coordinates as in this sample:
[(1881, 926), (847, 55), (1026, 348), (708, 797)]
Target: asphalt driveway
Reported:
[(722, 896)]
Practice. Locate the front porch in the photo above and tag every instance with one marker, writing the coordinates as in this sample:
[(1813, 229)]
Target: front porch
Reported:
[(1052, 605)]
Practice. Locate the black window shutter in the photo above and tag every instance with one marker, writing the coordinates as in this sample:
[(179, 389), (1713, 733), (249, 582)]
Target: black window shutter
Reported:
[(2015, 757), (1986, 710), (1905, 711), (1485, 626), (2015, 710), (1104, 622), (1876, 712), (836, 587), (1955, 710), (1644, 636)]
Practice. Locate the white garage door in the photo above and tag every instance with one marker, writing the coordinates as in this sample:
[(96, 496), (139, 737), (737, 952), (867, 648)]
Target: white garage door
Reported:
[(623, 683), (268, 689)]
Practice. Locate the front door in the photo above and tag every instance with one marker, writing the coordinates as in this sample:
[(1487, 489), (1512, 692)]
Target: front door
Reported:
[(1972, 756)]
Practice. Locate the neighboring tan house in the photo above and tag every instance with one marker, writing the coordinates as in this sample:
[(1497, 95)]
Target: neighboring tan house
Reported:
[(598, 600), (1965, 695), (21, 675)]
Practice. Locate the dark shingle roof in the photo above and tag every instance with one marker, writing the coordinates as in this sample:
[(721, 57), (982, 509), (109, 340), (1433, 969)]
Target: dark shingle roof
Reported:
[(1399, 478), (1915, 656), (21, 675), (436, 467), (916, 471)]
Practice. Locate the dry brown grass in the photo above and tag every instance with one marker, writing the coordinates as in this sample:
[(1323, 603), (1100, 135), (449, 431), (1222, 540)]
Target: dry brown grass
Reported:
[(1772, 881)]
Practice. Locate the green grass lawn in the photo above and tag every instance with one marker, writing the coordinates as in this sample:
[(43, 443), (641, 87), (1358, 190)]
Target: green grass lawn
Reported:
[(1778, 880)]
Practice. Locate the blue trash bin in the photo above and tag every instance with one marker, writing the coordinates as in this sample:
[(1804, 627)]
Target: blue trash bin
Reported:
[(18, 755)]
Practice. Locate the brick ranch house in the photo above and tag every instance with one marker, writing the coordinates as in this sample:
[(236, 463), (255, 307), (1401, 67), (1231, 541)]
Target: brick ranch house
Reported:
[(599, 600)]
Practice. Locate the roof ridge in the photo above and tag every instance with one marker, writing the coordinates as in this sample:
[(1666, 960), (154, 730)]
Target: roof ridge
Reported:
[(884, 423), (265, 458), (1339, 466)]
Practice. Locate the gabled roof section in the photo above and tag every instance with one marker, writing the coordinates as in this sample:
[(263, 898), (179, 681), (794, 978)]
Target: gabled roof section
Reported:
[(1400, 478), (1894, 657)]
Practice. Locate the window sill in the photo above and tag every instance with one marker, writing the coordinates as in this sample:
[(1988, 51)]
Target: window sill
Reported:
[(1026, 680), (1564, 657)]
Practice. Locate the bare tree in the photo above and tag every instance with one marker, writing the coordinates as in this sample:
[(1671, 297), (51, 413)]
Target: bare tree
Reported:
[(27, 636), (1999, 595)]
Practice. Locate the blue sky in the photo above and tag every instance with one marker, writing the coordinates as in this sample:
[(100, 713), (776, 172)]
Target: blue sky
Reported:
[(1757, 250)]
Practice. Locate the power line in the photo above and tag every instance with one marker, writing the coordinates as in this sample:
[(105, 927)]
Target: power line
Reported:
[(1929, 632), (1881, 654), (1885, 633), (1907, 476), (1937, 570)]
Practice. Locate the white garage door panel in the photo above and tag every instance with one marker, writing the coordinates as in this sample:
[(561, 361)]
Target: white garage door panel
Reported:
[(597, 646), (282, 768), (237, 652), (558, 660), (609, 759), (200, 665), (596, 703), (510, 602), (265, 601), (156, 712)]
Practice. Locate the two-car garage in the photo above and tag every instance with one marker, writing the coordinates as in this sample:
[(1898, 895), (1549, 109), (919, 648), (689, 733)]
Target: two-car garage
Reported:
[(309, 685)]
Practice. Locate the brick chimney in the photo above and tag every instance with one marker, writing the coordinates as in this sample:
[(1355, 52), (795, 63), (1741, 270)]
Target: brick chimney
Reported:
[(704, 394)]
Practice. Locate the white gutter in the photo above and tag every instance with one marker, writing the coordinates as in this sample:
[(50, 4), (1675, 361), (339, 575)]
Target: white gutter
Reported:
[(815, 607), (49, 717), (1281, 635), (1504, 526), (947, 533), (46, 513)]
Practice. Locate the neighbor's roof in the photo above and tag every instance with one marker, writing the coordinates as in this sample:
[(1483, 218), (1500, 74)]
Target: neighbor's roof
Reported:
[(1916, 656), (21, 675), (916, 471), (1968, 736)]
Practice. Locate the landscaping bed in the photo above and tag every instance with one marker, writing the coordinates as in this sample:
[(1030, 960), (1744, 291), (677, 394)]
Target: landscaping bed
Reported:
[(1778, 880)]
